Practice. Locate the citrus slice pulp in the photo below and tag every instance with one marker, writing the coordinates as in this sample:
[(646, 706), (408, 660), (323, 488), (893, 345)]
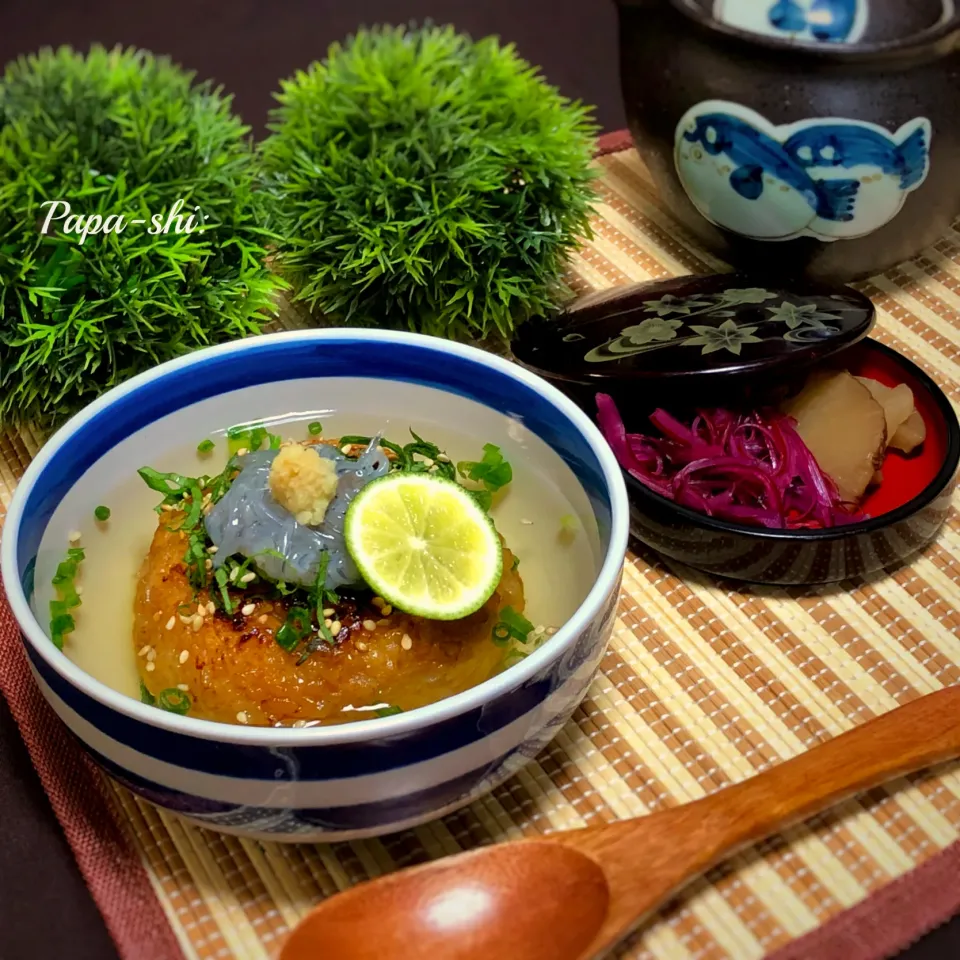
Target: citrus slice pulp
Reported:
[(424, 544)]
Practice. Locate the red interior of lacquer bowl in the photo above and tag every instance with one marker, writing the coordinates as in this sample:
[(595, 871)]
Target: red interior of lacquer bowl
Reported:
[(904, 477)]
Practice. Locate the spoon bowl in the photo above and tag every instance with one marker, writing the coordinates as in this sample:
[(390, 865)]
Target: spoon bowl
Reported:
[(574, 895), (473, 905)]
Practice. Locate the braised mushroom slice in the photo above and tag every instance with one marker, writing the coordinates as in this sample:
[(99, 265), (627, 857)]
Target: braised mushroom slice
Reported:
[(844, 428)]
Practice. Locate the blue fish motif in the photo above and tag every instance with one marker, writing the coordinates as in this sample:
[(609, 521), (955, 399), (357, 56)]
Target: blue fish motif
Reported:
[(789, 16), (829, 20), (850, 145), (754, 154)]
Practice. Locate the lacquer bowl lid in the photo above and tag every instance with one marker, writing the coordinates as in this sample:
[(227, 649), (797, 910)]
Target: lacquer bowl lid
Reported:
[(694, 332)]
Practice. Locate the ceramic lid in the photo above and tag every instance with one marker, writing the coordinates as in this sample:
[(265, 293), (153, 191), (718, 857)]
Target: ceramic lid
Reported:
[(692, 329)]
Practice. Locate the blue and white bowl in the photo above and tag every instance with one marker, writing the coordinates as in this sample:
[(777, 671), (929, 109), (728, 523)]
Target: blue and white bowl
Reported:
[(360, 779)]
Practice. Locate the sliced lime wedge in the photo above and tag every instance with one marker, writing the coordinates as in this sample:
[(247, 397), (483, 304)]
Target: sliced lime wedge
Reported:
[(424, 545)]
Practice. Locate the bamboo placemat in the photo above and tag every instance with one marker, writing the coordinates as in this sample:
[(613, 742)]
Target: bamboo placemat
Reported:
[(704, 683)]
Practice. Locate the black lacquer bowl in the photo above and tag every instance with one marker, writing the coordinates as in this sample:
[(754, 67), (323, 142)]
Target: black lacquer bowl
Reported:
[(735, 341), (829, 161), (906, 512)]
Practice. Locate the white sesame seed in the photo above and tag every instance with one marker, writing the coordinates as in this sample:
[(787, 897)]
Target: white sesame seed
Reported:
[(211, 607), (335, 627), (242, 717), (360, 645), (428, 461), (166, 507), (298, 723), (406, 642), (527, 523), (212, 549), (151, 655), (183, 686), (208, 563), (386, 610), (74, 536), (329, 611), (327, 621), (144, 650), (186, 619), (184, 656), (377, 601), (345, 449), (233, 574), (171, 623), (197, 623), (242, 452), (247, 577), (151, 666), (369, 625), (78, 590), (248, 608), (382, 623), (443, 458), (262, 618)]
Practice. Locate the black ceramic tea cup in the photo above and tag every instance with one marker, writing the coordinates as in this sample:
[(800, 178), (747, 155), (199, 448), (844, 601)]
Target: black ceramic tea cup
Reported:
[(829, 161)]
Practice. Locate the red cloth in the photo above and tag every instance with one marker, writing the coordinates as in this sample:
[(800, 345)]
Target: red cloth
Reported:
[(109, 863)]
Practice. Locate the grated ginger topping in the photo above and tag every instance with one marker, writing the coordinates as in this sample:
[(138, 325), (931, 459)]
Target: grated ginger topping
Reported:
[(303, 482)]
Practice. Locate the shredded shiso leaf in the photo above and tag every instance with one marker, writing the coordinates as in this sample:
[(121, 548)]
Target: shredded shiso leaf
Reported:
[(748, 468)]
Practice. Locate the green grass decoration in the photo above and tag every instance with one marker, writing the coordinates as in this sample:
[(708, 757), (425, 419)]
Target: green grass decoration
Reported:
[(427, 182), (119, 132)]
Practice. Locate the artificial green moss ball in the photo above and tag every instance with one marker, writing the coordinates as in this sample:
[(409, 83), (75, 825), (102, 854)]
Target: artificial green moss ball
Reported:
[(119, 132), (427, 182)]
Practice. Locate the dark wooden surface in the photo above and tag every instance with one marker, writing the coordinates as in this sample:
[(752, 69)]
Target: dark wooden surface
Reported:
[(247, 45)]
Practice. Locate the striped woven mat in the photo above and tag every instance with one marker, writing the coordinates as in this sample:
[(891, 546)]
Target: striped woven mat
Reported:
[(704, 684)]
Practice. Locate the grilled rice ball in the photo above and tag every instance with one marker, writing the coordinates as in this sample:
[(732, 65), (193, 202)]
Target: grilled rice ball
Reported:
[(233, 670)]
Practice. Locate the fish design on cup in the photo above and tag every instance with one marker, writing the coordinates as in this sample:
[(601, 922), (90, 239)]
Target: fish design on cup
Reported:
[(825, 21), (827, 178)]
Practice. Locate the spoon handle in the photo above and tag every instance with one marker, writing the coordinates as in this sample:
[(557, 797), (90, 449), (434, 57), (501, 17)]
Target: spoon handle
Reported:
[(909, 738), (648, 859)]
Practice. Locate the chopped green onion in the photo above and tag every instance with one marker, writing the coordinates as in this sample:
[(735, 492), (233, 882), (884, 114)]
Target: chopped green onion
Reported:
[(512, 659), (315, 428), (296, 627), (61, 620), (205, 446), (250, 437), (173, 700), (102, 513), (511, 626), (146, 696), (569, 525), (389, 711)]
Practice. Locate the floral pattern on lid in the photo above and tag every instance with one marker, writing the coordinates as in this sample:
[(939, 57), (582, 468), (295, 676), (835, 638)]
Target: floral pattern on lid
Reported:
[(694, 327)]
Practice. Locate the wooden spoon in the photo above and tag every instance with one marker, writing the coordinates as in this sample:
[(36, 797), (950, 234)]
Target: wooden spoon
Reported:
[(572, 896)]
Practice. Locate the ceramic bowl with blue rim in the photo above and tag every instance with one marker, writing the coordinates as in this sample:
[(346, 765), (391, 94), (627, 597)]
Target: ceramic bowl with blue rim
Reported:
[(358, 779)]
